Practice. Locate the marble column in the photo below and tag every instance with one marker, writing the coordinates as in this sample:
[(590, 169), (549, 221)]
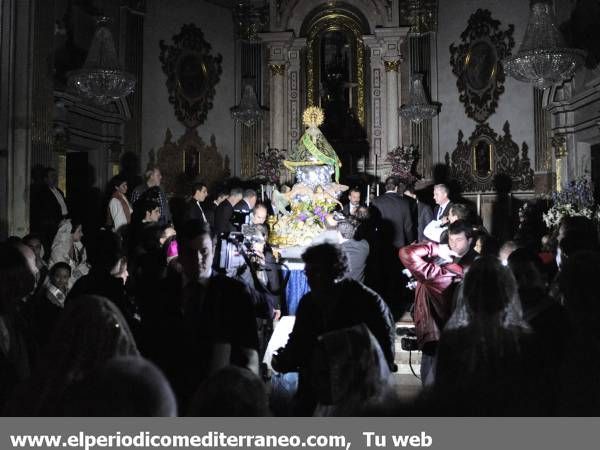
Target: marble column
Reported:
[(391, 81), (16, 54), (277, 105)]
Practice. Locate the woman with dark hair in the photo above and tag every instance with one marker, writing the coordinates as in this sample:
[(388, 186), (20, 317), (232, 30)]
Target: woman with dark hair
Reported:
[(17, 348), (481, 368), (119, 210), (90, 332)]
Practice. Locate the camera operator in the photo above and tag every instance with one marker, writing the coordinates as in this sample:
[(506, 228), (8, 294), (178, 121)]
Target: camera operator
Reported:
[(259, 214), (260, 273)]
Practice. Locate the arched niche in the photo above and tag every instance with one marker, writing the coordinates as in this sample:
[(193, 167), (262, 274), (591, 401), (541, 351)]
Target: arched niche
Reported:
[(324, 28), (377, 13)]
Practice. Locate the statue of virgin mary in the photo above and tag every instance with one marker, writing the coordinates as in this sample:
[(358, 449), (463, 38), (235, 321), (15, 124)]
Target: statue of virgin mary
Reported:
[(313, 149)]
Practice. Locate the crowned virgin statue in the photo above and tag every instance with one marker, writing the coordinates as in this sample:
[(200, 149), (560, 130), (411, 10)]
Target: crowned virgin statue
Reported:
[(313, 150)]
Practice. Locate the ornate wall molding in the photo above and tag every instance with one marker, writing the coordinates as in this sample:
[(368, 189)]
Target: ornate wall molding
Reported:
[(477, 163), (476, 62), (192, 74)]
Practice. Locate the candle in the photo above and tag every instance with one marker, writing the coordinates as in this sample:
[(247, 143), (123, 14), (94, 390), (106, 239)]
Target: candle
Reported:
[(479, 205), (368, 194), (375, 165), (377, 190), (262, 192)]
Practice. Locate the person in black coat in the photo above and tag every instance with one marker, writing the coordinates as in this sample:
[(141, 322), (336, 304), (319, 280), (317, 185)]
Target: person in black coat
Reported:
[(349, 209), (421, 211), (394, 229), (195, 208), (391, 212), (441, 196), (332, 304), (224, 212), (48, 208)]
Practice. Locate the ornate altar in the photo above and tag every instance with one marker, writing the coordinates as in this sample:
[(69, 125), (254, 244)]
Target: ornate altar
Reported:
[(188, 161), (476, 163)]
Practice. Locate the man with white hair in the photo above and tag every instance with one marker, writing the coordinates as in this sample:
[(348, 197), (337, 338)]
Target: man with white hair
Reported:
[(441, 197)]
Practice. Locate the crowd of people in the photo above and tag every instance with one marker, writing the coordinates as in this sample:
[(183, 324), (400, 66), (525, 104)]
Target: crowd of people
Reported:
[(154, 323)]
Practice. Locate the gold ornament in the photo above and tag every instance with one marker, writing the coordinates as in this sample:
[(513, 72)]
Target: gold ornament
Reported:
[(391, 66), (313, 116)]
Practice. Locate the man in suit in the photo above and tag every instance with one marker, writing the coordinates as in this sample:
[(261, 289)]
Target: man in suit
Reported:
[(394, 229), (421, 212), (224, 212), (247, 202), (350, 208), (195, 210), (392, 215), (48, 208), (211, 207), (441, 197), (243, 208)]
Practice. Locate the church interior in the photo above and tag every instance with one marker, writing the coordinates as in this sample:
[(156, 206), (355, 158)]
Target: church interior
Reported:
[(493, 105)]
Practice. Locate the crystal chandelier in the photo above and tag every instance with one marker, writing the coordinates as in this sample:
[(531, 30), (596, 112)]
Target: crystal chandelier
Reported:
[(248, 112), (421, 15), (543, 58), (418, 108), (101, 79), (249, 20)]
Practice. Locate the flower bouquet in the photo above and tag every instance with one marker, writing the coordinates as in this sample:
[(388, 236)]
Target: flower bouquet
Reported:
[(577, 199), (303, 224)]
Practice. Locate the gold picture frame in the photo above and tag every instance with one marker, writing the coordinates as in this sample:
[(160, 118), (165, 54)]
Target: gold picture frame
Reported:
[(482, 151)]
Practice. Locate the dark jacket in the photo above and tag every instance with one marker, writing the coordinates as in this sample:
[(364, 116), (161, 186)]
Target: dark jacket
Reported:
[(351, 304), (223, 215), (392, 216), (424, 216), (194, 211), (346, 209), (444, 212)]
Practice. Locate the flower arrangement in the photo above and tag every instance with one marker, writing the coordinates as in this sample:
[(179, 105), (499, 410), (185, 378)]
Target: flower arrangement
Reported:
[(304, 223), (403, 160), (577, 199), (268, 164)]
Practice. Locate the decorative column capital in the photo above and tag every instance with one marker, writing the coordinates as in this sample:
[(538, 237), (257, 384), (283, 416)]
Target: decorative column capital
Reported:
[(277, 69), (392, 65)]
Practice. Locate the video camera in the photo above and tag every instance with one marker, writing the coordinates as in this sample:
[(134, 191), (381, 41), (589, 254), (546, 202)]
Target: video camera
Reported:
[(237, 248)]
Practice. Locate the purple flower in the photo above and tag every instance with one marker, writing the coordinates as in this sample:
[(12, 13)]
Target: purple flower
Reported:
[(302, 217)]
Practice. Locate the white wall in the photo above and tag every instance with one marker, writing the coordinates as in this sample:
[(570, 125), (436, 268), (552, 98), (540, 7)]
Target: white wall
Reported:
[(164, 19), (514, 105)]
